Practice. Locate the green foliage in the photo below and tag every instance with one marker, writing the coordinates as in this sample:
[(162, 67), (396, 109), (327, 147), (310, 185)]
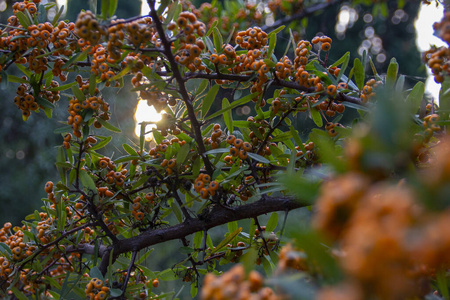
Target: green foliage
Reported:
[(92, 235)]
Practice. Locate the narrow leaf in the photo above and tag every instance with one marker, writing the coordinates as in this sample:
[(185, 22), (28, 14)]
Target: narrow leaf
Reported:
[(182, 153), (218, 40), (415, 97), (78, 93), (112, 7), (108, 125), (87, 181), (209, 99), (4, 80), (129, 150), (76, 57), (317, 118), (227, 240), (228, 118), (359, 73), (258, 157), (391, 75), (272, 223), (272, 43)]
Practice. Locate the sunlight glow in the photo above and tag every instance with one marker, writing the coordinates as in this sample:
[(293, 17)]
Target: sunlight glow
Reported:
[(428, 15), (145, 113)]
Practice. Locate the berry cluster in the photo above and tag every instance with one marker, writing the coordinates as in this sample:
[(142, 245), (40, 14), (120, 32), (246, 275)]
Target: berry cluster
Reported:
[(437, 60), (96, 289), (143, 206), (235, 285), (429, 123), (204, 186), (79, 107), (191, 47), (88, 28), (368, 90)]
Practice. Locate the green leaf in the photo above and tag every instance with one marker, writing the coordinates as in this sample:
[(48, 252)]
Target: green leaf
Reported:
[(76, 57), (61, 157), (15, 79), (358, 71), (6, 248), (24, 20), (272, 223), (258, 157), (372, 66), (201, 87), (104, 8), (194, 290), (341, 60), (44, 102), (63, 87), (214, 24), (115, 292), (108, 125), (176, 210), (444, 97), (4, 80), (344, 66), (57, 15), (305, 190), (95, 273), (441, 279), (125, 72), (173, 8), (269, 63), (326, 149), (209, 99), (24, 70), (142, 259), (101, 144), (356, 106), (317, 118), (92, 84), (129, 149), (318, 254), (18, 294), (227, 117), (196, 166), (272, 44), (198, 238), (78, 93), (234, 104), (227, 240), (87, 181), (218, 40), (217, 151), (414, 98), (232, 226), (399, 86), (182, 154), (275, 31), (296, 136), (391, 75), (112, 7), (167, 275)]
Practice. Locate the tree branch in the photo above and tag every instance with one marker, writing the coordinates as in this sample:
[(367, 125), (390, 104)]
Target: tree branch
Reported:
[(302, 14), (217, 216), (196, 128)]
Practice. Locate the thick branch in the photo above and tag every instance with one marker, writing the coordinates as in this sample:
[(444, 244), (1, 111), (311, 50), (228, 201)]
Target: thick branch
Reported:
[(217, 216), (277, 82)]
